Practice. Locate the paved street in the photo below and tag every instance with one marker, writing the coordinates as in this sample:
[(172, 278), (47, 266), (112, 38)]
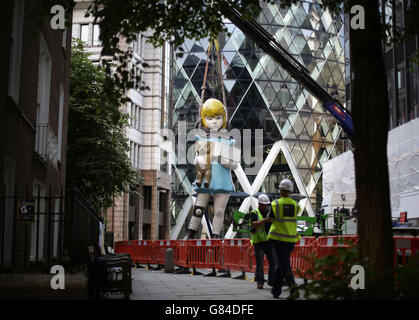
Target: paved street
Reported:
[(159, 285)]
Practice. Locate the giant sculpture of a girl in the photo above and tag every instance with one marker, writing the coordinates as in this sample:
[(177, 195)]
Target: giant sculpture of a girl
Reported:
[(217, 182)]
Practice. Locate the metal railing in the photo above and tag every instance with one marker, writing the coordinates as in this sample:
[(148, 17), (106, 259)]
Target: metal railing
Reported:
[(31, 227), (46, 144), (82, 228), (39, 227)]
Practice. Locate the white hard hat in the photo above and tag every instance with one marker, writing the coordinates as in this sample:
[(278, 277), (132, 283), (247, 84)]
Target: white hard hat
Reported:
[(263, 199), (286, 184)]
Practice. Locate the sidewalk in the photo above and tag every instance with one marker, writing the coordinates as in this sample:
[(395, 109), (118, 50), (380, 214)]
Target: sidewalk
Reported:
[(159, 285)]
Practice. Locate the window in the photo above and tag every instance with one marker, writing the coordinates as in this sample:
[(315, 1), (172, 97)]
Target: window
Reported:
[(44, 82), (388, 12), (131, 111), (388, 17), (56, 227), (37, 241), (147, 197), (402, 110), (136, 44), (84, 33), (96, 33), (140, 74), (413, 91), (140, 42), (347, 61), (400, 77), (136, 72), (131, 148), (16, 50), (60, 122), (401, 94), (135, 154), (6, 223), (139, 155), (162, 200), (391, 108), (135, 116), (46, 141), (399, 13)]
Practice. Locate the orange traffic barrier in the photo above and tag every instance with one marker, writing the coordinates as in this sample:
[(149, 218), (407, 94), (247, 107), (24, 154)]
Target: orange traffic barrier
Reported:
[(306, 241), (329, 245), (303, 256), (404, 249), (205, 254), (183, 254), (337, 240), (160, 247), (143, 251), (303, 248), (236, 254), (124, 247)]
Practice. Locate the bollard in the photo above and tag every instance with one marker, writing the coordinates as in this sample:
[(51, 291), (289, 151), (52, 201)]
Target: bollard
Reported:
[(169, 261)]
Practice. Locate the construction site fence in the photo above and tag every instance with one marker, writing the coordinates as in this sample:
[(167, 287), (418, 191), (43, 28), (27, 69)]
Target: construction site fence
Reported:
[(238, 254)]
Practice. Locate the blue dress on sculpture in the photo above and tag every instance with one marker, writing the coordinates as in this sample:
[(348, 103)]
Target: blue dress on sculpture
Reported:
[(221, 181)]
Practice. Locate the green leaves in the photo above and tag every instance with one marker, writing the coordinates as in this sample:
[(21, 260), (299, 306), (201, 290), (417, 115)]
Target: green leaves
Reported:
[(407, 279), (172, 21), (332, 275), (97, 161)]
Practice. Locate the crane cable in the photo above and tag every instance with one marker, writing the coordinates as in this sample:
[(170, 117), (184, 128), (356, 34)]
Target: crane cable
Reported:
[(217, 47), (220, 72)]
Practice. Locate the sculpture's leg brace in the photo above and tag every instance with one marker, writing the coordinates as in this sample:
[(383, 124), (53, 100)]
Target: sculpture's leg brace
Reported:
[(220, 204), (200, 205)]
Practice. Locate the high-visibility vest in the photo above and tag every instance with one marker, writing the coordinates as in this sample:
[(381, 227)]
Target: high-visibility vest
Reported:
[(284, 226), (259, 235)]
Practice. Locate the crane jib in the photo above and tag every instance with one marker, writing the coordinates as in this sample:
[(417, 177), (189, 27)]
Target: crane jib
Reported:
[(344, 119)]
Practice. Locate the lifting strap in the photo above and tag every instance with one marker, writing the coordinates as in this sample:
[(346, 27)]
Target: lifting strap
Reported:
[(220, 72), (217, 47), (205, 77)]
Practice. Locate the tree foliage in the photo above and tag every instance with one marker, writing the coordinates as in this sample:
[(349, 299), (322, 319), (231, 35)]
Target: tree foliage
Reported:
[(172, 21), (331, 277), (97, 159)]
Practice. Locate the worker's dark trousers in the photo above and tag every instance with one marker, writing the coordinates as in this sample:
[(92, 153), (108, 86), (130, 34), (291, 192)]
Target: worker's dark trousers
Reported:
[(260, 250), (283, 272)]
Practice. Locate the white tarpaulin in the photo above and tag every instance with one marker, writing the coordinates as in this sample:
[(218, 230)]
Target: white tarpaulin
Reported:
[(339, 175), (403, 165)]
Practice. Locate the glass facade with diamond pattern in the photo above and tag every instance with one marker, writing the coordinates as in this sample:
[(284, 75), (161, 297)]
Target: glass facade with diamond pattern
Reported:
[(261, 95)]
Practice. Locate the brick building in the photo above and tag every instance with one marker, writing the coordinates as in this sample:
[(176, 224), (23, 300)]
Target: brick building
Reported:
[(34, 95), (148, 216)]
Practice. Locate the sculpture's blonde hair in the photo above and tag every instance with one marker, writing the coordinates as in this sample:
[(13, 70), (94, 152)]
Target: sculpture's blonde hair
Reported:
[(212, 108)]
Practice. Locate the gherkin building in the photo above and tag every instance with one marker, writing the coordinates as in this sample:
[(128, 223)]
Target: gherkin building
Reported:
[(262, 98)]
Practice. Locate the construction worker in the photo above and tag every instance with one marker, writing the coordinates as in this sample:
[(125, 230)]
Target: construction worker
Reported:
[(260, 242), (283, 235)]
